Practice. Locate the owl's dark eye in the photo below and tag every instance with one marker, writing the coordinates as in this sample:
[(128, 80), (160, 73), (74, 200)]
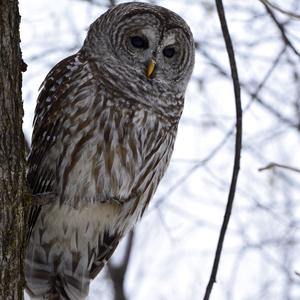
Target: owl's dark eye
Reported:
[(169, 52), (139, 42)]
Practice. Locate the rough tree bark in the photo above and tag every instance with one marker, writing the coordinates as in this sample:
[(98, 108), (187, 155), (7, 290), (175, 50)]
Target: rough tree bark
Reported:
[(12, 155)]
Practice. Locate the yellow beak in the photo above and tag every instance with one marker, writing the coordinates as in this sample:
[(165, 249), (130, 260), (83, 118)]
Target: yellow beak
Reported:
[(150, 68)]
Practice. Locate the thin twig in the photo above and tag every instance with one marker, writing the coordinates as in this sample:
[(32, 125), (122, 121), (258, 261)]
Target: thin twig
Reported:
[(283, 11), (117, 273), (112, 3), (281, 28), (274, 165), (238, 146), (255, 94)]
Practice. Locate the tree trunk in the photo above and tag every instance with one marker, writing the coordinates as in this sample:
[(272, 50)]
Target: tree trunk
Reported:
[(12, 155)]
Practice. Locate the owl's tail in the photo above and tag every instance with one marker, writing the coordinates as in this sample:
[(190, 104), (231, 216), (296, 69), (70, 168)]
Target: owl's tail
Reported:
[(66, 249), (64, 274), (42, 282)]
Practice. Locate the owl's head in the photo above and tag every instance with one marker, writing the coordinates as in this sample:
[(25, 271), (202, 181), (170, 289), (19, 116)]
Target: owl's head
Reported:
[(147, 43)]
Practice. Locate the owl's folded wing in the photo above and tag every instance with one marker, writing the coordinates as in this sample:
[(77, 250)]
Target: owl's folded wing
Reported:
[(47, 124)]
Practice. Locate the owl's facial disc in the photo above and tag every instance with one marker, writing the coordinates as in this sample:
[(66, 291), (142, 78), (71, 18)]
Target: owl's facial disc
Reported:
[(157, 52), (148, 49)]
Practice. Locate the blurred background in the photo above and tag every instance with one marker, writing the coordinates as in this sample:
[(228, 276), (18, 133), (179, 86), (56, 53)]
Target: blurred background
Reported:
[(170, 253)]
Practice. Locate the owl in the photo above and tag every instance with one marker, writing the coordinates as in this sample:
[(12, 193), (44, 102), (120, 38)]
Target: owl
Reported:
[(104, 130)]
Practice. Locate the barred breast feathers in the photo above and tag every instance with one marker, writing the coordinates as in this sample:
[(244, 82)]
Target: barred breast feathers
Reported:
[(113, 133)]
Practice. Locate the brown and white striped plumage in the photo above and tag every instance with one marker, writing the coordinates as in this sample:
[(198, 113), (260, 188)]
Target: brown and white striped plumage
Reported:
[(103, 136)]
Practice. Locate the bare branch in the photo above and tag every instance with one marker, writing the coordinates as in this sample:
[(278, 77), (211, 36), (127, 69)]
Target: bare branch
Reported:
[(112, 3), (274, 165), (281, 28), (255, 94), (283, 11), (238, 146), (117, 273)]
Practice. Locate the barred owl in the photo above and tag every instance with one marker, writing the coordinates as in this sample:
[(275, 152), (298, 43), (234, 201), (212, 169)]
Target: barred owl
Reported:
[(104, 129)]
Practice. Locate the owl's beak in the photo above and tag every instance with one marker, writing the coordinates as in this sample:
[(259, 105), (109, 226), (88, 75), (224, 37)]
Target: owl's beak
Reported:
[(150, 68)]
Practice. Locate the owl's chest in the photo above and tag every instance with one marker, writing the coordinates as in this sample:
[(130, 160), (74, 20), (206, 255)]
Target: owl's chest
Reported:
[(117, 157)]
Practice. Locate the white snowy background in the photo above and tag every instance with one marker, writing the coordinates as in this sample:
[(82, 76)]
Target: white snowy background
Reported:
[(175, 242)]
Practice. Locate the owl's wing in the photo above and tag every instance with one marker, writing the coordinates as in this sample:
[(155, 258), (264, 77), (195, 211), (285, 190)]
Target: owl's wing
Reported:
[(47, 124), (106, 248), (48, 116)]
